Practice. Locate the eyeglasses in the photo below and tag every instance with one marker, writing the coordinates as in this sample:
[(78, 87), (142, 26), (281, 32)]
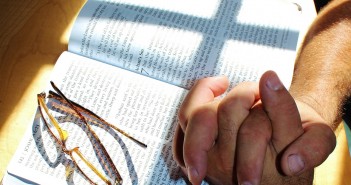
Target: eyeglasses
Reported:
[(60, 136)]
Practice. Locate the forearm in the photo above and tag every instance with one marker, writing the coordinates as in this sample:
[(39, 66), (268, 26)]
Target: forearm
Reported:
[(322, 76)]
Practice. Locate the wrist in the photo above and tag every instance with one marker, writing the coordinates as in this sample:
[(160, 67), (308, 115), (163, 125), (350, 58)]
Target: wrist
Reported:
[(314, 108)]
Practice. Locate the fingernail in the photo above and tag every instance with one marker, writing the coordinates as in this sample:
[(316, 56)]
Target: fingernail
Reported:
[(274, 83), (192, 174), (296, 164)]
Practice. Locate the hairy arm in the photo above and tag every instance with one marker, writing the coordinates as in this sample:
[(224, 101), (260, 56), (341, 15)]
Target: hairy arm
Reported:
[(322, 77), (320, 87), (321, 84)]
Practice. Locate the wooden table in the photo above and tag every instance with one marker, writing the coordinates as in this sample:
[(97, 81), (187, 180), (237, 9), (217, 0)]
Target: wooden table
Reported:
[(33, 33)]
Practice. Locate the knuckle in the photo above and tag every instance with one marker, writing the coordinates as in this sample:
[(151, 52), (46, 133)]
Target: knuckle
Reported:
[(227, 105), (232, 111), (203, 115), (257, 125)]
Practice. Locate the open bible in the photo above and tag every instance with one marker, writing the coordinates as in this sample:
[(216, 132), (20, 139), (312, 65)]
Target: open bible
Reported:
[(133, 61)]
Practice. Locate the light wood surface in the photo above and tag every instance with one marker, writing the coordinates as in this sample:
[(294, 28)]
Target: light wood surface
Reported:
[(33, 33)]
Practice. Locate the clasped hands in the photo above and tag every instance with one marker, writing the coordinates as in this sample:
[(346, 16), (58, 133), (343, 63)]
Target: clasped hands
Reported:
[(256, 134)]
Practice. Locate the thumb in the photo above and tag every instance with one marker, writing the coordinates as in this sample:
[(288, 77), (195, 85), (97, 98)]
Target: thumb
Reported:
[(281, 110), (301, 144)]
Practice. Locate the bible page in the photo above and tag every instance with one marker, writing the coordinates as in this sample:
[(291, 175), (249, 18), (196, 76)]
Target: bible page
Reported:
[(179, 42), (143, 107)]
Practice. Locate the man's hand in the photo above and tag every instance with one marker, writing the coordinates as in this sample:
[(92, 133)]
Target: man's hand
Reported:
[(271, 137), (293, 148), (210, 128)]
